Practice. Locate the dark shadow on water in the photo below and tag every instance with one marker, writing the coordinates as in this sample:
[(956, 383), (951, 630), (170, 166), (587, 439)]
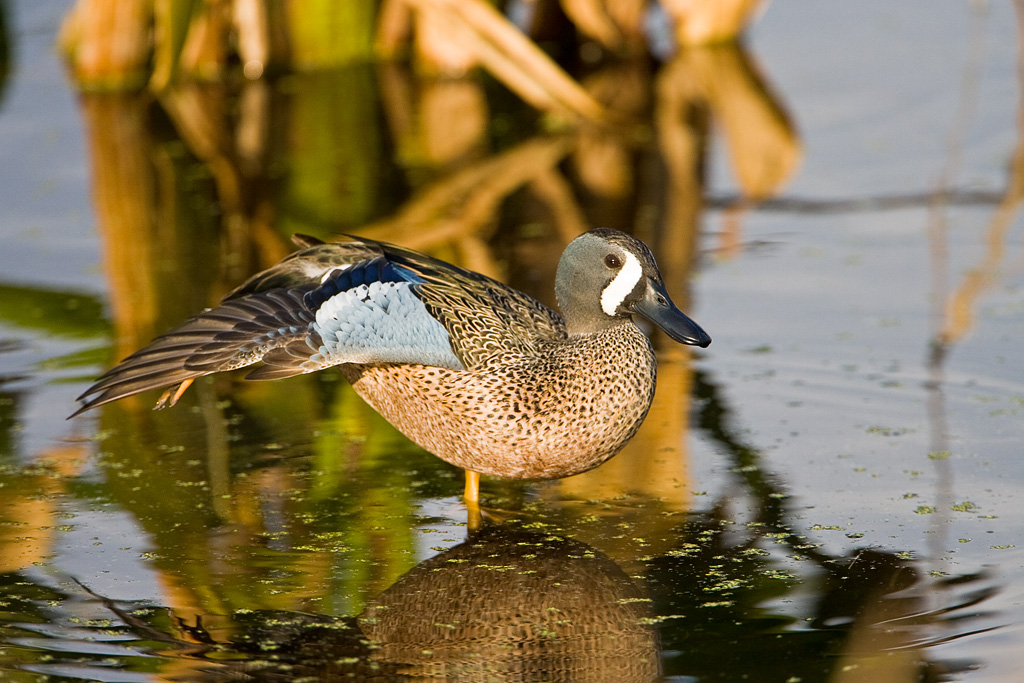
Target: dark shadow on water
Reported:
[(516, 605)]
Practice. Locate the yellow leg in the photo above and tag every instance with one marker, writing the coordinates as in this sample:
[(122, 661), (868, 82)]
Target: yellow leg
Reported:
[(472, 497), (472, 494), (181, 390), (171, 396)]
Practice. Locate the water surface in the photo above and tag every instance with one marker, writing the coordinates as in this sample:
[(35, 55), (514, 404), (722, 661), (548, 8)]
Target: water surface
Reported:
[(830, 492)]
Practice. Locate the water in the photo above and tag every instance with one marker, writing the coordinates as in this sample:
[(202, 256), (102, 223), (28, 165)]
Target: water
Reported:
[(830, 492)]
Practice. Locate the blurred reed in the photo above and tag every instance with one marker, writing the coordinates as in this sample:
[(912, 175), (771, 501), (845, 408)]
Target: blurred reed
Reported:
[(128, 44)]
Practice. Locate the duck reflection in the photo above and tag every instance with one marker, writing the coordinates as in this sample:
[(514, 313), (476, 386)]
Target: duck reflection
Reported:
[(513, 605)]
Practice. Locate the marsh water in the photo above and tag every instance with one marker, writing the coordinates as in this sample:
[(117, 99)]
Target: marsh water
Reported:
[(832, 491)]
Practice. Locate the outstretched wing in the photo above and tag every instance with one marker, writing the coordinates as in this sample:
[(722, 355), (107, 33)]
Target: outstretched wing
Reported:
[(352, 302)]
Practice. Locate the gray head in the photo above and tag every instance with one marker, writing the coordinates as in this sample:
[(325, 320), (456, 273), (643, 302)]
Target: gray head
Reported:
[(606, 276)]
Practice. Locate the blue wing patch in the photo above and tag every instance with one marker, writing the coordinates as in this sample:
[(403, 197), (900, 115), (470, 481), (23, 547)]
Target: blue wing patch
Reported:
[(343, 279), (369, 313)]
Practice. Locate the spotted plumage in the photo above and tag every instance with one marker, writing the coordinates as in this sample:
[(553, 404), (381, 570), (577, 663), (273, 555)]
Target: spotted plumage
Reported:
[(474, 371)]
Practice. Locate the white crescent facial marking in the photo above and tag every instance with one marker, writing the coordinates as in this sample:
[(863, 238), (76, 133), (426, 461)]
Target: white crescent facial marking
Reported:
[(623, 283)]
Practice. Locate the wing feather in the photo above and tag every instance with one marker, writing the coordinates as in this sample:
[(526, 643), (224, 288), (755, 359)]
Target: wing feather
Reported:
[(358, 301)]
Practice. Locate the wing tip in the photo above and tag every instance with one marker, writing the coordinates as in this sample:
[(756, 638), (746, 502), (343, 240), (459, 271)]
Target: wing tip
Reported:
[(305, 241)]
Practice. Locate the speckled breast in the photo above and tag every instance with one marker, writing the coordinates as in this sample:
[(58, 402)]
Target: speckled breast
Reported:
[(559, 412)]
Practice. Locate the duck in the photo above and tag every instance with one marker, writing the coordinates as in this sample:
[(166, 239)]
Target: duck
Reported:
[(474, 371)]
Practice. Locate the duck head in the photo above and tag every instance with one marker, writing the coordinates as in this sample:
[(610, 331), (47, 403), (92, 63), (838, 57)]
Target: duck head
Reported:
[(605, 276)]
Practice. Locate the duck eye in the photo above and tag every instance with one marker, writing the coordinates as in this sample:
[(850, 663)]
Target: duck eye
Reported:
[(612, 261)]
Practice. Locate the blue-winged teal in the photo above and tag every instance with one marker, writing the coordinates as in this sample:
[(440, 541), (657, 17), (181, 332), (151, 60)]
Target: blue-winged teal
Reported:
[(470, 369)]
